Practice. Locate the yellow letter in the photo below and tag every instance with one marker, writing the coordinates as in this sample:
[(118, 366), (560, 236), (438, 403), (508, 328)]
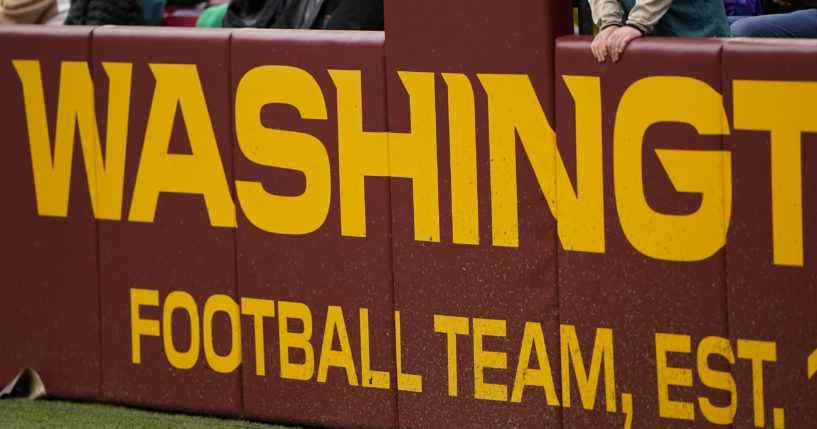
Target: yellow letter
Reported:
[(405, 381), (369, 378), (285, 149), (527, 376), (139, 326), (198, 173), (182, 300), (451, 326), (602, 351), (412, 155), (485, 359), (52, 170), (721, 380), (514, 109), (786, 109), (672, 376), (691, 237), (757, 352), (258, 308), (292, 340), (463, 150), (230, 362), (339, 358)]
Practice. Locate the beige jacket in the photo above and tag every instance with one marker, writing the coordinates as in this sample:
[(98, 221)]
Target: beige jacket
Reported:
[(644, 15), (27, 11)]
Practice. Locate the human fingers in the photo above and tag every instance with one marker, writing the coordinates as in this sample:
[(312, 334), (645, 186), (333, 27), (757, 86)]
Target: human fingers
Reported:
[(599, 49), (613, 46), (619, 40), (599, 44)]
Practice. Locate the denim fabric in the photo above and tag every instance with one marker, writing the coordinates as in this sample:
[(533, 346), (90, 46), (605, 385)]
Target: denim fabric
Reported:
[(800, 24)]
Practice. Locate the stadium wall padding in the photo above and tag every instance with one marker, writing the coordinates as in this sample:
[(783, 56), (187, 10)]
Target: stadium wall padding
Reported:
[(454, 287), (359, 229), (50, 300)]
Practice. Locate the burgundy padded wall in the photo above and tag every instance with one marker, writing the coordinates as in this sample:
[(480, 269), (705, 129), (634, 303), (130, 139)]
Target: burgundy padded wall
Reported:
[(49, 299), (634, 295), (179, 250), (509, 285), (319, 269), (79, 294), (772, 302)]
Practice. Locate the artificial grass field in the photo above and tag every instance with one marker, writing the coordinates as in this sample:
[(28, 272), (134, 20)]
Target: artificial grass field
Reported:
[(46, 413)]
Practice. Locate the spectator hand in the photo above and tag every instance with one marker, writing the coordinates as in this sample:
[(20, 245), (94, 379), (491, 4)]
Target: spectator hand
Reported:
[(599, 45), (618, 41)]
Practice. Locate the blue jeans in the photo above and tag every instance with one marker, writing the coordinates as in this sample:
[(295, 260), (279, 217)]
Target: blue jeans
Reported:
[(801, 24)]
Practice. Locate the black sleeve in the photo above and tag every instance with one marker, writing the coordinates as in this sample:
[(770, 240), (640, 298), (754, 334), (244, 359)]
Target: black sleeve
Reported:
[(356, 15)]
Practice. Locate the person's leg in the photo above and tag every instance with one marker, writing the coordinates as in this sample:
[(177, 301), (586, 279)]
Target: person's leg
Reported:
[(800, 24)]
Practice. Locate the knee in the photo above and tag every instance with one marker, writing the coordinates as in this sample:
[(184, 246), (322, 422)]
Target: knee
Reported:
[(746, 27)]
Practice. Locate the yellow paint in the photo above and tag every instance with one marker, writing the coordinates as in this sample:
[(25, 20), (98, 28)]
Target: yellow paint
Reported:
[(514, 109), (720, 380), (588, 382), (532, 338), (410, 155), (488, 359), (627, 409), (812, 364), (300, 214), (182, 301), (202, 171), (669, 376), (368, 377), (451, 326), (758, 352), (405, 381), (786, 110), (295, 340), (223, 303), (139, 326), (463, 152), (258, 309), (581, 217), (76, 109), (779, 418), (338, 358), (690, 237)]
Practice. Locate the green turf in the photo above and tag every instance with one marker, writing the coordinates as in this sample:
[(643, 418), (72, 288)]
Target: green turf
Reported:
[(20, 413)]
